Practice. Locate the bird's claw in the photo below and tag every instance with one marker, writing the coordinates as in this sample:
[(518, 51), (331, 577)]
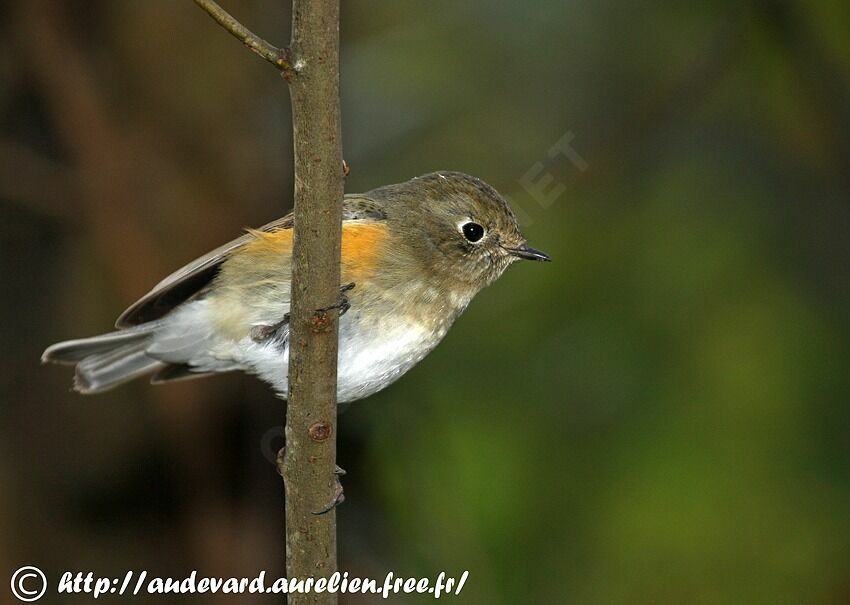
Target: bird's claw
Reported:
[(338, 495), (342, 304), (279, 461)]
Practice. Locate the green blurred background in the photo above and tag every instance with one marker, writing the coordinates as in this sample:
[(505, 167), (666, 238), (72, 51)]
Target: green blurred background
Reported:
[(659, 416)]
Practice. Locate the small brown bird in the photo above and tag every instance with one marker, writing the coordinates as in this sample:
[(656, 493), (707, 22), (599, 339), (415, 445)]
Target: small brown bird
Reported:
[(413, 257)]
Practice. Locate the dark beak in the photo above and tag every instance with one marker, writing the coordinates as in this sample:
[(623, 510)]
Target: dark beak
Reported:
[(527, 253)]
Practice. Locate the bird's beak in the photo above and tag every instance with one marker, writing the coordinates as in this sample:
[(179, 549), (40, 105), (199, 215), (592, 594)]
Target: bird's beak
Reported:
[(528, 253)]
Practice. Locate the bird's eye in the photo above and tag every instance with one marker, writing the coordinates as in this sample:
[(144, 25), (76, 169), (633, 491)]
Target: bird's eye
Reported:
[(472, 231)]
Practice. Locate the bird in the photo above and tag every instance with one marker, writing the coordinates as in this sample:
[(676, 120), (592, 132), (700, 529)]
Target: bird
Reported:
[(413, 256)]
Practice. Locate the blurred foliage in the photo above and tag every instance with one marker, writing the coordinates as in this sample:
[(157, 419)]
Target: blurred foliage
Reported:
[(659, 416)]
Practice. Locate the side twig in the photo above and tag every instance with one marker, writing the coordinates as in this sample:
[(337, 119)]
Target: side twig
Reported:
[(279, 57)]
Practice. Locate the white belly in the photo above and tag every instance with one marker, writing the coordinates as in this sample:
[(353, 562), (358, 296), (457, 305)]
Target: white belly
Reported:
[(369, 359), (368, 362), (371, 354)]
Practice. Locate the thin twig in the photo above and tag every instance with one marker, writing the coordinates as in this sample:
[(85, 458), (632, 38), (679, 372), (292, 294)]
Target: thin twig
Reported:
[(279, 57)]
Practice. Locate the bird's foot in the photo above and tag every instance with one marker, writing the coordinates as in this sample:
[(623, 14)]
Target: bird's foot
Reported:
[(262, 333), (279, 461), (342, 304), (338, 495)]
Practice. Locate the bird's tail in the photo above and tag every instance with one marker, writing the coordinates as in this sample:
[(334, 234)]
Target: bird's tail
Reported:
[(106, 361)]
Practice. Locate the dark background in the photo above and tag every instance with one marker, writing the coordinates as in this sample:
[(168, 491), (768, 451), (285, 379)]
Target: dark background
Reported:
[(659, 416)]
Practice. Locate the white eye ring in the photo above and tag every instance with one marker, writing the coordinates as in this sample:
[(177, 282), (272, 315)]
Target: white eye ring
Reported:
[(473, 232)]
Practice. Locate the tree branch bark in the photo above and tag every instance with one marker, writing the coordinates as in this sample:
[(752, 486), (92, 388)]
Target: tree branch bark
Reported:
[(311, 66), (310, 457)]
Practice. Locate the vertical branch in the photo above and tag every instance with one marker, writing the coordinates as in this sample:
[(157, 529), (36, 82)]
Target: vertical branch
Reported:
[(311, 66), (311, 410)]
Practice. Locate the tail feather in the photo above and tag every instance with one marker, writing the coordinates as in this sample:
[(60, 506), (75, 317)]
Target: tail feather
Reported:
[(72, 352), (106, 361), (108, 370)]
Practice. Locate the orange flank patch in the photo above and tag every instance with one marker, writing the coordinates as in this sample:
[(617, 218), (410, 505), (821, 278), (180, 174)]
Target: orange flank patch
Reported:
[(362, 248), (362, 244), (269, 243)]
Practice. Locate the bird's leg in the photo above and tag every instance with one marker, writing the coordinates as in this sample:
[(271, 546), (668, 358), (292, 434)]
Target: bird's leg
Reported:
[(342, 304), (262, 333), (339, 494)]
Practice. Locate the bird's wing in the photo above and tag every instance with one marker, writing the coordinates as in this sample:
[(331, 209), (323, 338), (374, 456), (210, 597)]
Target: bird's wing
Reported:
[(188, 281)]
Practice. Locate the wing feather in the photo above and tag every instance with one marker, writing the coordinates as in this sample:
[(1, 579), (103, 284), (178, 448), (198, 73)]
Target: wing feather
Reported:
[(191, 280), (188, 281)]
